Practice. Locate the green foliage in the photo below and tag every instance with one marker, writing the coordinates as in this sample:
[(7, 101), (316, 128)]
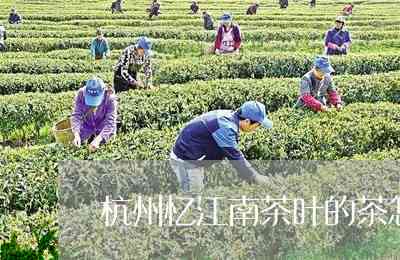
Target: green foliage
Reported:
[(43, 239), (273, 65), (12, 250), (176, 104), (42, 65), (249, 242), (66, 48), (53, 83), (297, 135), (48, 54), (212, 67), (190, 33)]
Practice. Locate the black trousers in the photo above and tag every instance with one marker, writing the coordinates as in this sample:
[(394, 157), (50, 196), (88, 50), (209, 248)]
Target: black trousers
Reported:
[(120, 84), (336, 52), (2, 47)]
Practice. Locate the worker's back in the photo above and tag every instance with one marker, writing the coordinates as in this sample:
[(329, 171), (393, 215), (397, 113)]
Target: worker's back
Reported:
[(2, 33), (2, 38), (208, 22), (198, 139)]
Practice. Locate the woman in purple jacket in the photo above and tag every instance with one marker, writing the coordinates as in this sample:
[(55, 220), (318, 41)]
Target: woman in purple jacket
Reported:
[(95, 114), (338, 39)]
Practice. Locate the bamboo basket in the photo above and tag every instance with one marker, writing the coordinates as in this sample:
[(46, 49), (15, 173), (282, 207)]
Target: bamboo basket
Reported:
[(62, 131)]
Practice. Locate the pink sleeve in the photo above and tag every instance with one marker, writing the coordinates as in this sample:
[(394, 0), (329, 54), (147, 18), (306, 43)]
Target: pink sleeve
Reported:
[(334, 98), (311, 102), (218, 39), (331, 45)]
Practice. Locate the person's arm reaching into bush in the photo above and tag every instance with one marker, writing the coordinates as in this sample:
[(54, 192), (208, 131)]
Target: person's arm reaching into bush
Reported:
[(226, 140), (333, 96), (308, 99)]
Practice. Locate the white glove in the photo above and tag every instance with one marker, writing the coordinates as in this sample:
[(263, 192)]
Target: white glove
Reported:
[(94, 145), (96, 142), (217, 51), (261, 179), (77, 140)]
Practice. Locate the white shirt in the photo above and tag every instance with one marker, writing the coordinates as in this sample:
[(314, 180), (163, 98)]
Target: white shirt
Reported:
[(2, 30), (227, 43)]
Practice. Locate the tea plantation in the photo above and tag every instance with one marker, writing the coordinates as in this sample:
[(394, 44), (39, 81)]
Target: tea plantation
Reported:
[(48, 58)]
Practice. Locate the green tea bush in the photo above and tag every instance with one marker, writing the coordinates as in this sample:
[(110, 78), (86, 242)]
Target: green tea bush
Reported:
[(176, 104), (28, 176), (238, 242)]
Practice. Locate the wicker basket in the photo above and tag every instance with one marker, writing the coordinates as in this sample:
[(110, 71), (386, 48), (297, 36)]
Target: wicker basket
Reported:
[(62, 132)]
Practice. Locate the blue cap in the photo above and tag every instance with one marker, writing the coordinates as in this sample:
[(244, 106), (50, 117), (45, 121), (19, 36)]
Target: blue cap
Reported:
[(144, 43), (322, 63), (94, 92), (226, 17), (255, 111)]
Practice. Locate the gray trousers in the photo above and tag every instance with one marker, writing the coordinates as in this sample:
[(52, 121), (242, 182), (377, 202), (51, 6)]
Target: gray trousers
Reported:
[(190, 176)]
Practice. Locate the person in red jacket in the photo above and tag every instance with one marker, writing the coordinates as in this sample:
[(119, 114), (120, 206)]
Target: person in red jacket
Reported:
[(228, 38), (317, 90), (348, 10)]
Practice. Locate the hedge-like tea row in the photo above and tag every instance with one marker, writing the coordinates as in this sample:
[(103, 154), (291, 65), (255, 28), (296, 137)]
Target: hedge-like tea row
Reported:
[(54, 83), (274, 65), (388, 25), (141, 15), (274, 32), (28, 177), (100, 10), (191, 33), (271, 240), (43, 65), (361, 47), (388, 155), (167, 46), (176, 104), (179, 47), (214, 67)]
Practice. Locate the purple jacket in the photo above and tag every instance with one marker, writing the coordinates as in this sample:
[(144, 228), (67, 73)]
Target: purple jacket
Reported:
[(339, 37), (103, 122)]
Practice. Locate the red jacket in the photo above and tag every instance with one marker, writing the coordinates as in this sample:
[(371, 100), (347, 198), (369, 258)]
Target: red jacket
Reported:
[(348, 9)]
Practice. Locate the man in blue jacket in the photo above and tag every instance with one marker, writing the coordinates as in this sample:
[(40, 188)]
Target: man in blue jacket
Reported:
[(14, 17), (212, 137), (99, 48)]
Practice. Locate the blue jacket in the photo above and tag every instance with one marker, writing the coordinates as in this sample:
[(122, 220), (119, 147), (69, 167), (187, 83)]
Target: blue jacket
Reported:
[(212, 137), (14, 18), (99, 47)]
